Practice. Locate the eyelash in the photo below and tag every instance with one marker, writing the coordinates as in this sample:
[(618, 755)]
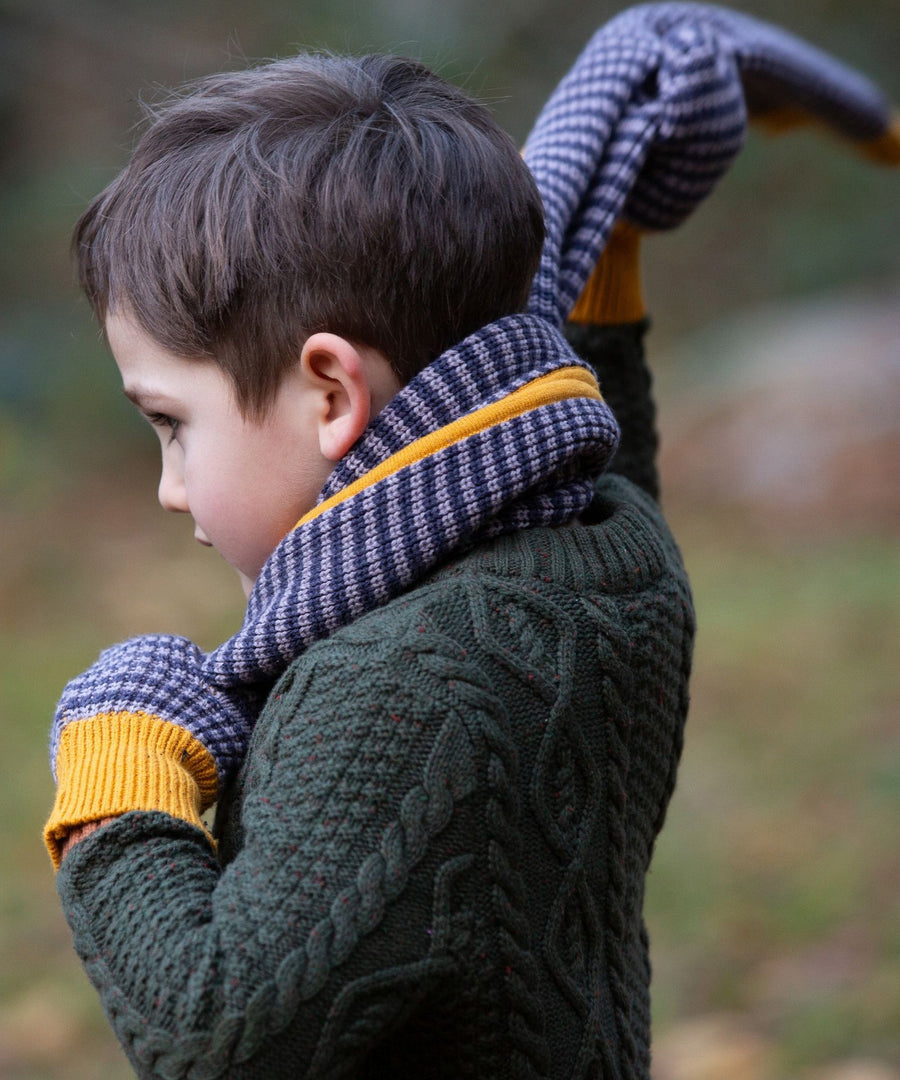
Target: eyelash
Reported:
[(163, 421)]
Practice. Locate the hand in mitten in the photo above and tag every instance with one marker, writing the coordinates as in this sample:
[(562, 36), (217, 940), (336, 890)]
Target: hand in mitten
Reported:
[(142, 729)]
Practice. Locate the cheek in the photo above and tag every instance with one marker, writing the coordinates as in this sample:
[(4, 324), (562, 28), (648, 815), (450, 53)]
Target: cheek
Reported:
[(244, 518), (247, 492)]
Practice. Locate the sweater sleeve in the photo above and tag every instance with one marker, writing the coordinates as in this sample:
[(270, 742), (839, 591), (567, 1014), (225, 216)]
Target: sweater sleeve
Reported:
[(436, 852), (607, 328), (341, 911), (616, 353)]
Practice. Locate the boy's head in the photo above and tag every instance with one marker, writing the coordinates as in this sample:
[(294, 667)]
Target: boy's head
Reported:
[(362, 197), (286, 247)]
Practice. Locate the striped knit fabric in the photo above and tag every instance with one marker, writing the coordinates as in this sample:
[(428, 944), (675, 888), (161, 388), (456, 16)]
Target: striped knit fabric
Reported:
[(536, 469), (645, 123), (159, 676), (652, 114)]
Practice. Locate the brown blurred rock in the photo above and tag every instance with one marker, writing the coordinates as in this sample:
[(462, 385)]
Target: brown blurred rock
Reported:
[(854, 1070), (792, 415), (713, 1048)]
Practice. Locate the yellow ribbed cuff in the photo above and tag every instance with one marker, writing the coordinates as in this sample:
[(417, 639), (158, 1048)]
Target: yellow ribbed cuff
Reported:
[(613, 293), (884, 149), (781, 119), (116, 762)]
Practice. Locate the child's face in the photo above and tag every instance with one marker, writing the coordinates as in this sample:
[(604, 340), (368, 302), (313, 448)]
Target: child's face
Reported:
[(246, 483)]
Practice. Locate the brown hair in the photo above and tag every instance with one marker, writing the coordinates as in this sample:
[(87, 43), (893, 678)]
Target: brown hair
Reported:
[(363, 196)]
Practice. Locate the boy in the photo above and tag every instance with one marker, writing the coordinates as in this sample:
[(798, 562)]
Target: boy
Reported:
[(444, 740)]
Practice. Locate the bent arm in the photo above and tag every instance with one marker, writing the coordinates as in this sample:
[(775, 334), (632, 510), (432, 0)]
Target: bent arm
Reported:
[(263, 968), (616, 354)]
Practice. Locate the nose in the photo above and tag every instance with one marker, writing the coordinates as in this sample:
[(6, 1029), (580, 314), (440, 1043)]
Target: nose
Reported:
[(172, 493)]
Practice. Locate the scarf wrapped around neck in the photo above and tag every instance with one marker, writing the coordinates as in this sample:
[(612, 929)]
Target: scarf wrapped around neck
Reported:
[(508, 429), (503, 432)]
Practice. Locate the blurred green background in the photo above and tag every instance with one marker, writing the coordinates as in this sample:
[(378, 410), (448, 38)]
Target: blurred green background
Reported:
[(773, 903)]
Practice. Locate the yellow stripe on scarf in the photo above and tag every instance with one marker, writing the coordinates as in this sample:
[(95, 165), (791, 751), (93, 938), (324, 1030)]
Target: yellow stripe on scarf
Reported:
[(558, 385)]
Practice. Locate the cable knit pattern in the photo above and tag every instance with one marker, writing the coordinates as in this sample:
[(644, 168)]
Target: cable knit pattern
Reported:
[(647, 120), (534, 469), (470, 747)]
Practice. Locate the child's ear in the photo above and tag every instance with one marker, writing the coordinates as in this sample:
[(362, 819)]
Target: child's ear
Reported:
[(335, 371)]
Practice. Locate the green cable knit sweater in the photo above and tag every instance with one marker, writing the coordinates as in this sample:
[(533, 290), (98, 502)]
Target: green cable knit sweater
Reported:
[(433, 861)]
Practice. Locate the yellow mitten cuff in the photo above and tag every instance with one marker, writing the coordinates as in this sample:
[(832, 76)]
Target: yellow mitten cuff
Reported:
[(613, 291), (883, 150), (116, 762)]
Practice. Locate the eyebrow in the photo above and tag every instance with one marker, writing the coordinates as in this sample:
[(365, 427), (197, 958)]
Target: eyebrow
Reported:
[(144, 398)]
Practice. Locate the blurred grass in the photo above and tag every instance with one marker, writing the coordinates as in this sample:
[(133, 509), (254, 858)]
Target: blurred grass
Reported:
[(92, 562), (773, 892), (773, 896)]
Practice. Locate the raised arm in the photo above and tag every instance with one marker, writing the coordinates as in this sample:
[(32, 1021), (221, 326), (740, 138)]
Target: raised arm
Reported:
[(607, 328)]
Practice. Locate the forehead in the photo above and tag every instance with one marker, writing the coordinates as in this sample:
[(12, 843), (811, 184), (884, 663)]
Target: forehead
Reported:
[(151, 372), (132, 347)]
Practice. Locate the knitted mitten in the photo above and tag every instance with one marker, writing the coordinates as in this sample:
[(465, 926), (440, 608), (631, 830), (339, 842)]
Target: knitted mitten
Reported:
[(654, 111), (143, 730)]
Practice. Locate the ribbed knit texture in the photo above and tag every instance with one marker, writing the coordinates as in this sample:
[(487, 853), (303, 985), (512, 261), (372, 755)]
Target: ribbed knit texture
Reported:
[(534, 469), (616, 353), (141, 729), (516, 467), (113, 763), (646, 121), (613, 293), (652, 114)]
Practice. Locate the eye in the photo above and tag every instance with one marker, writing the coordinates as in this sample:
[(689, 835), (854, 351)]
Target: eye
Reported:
[(161, 420)]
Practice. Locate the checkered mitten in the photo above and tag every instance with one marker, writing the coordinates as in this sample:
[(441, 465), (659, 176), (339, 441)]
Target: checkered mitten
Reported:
[(142, 729)]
